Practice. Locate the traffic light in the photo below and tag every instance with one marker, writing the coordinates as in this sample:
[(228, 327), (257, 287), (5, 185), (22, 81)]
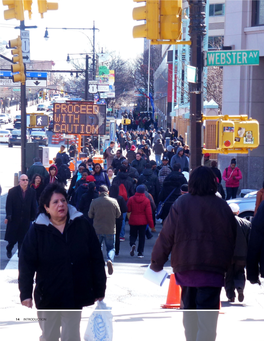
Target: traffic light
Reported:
[(44, 6), (17, 68), (150, 13), (39, 120), (15, 9), (239, 133), (170, 19), (126, 121), (27, 7), (40, 94)]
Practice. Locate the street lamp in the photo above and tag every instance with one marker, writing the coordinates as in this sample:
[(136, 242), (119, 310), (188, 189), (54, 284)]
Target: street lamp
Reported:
[(86, 70), (46, 36)]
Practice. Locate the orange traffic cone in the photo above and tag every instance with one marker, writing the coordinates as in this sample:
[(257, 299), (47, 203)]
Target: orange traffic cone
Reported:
[(174, 295)]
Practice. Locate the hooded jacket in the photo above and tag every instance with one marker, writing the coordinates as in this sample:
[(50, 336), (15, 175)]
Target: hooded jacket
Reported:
[(48, 178), (182, 160), (140, 208), (69, 267), (37, 168), (151, 181)]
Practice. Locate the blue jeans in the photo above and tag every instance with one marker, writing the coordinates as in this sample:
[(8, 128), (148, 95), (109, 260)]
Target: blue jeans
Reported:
[(109, 240), (231, 192), (158, 159)]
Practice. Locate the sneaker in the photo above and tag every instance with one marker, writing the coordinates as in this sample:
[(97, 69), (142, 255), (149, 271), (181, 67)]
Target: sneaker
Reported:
[(117, 255), (9, 254), (132, 252), (232, 299), (122, 239), (140, 255), (110, 267), (240, 297)]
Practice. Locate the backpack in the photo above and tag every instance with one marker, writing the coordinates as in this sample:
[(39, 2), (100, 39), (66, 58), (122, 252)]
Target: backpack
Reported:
[(105, 155), (123, 192)]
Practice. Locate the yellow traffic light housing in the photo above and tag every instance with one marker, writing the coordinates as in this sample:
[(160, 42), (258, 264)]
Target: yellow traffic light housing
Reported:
[(27, 7), (44, 6), (15, 9), (17, 68), (126, 121), (149, 13), (171, 20), (234, 134)]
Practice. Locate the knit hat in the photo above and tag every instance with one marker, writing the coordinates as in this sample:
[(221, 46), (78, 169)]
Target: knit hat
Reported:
[(169, 148), (207, 155), (133, 148), (90, 178), (233, 161), (140, 189), (184, 188)]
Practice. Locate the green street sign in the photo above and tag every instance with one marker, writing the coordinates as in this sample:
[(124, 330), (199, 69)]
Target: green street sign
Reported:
[(231, 57), (16, 89)]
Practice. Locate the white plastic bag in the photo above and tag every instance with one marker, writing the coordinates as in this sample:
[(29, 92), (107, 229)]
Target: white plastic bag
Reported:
[(100, 325)]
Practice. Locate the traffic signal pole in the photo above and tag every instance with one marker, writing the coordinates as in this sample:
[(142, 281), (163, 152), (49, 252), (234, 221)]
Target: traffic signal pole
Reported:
[(196, 31)]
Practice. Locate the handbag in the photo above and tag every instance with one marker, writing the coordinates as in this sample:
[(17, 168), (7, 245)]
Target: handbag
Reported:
[(161, 205), (100, 324)]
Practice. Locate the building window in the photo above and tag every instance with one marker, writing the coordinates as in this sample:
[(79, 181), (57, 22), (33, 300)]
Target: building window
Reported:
[(257, 12), (215, 43), (216, 9)]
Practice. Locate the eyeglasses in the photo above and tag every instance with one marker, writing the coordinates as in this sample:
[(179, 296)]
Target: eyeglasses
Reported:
[(24, 179)]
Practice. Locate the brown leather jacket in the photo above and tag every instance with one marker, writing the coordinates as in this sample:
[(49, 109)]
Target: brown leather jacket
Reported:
[(259, 198)]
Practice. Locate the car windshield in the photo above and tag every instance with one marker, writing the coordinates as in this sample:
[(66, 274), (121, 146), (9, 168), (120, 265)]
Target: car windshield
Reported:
[(251, 194), (38, 133), (16, 132)]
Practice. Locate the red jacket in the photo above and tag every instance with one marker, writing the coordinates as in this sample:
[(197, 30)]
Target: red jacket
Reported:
[(232, 176), (141, 214)]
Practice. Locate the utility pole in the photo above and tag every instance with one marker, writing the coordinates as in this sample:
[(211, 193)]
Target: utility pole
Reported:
[(94, 49), (197, 30)]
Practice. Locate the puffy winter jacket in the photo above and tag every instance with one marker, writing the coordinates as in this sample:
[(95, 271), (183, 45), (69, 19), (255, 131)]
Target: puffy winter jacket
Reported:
[(140, 208), (232, 176)]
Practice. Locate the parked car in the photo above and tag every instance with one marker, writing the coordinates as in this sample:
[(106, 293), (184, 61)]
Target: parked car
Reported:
[(246, 205), (15, 138), (4, 136), (41, 107), (40, 137), (3, 119)]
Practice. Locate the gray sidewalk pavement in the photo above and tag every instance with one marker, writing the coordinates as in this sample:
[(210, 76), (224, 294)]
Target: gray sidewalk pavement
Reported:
[(136, 309)]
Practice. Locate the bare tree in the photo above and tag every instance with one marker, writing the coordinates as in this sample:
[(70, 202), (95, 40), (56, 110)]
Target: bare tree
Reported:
[(215, 85)]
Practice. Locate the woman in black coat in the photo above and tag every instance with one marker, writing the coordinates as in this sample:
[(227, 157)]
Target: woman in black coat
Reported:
[(62, 249)]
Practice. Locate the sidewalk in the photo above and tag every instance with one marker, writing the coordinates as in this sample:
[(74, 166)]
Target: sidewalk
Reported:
[(136, 309)]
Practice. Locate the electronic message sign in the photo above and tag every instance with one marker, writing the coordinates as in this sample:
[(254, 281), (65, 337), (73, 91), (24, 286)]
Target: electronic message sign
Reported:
[(83, 117)]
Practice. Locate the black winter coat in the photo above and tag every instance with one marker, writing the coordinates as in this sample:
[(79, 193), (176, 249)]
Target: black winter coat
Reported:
[(123, 178), (255, 256), (131, 156), (19, 212), (122, 205), (173, 181), (139, 165), (152, 183), (69, 267), (116, 163)]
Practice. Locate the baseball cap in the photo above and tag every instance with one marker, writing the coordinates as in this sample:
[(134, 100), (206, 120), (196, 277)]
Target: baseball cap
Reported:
[(207, 154), (90, 178), (165, 158)]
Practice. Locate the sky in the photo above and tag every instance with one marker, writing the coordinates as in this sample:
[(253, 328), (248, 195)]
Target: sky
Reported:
[(112, 18)]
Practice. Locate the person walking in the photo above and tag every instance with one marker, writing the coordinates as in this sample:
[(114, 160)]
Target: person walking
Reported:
[(139, 163), (52, 176), (62, 250), (63, 155), (151, 181), (116, 163), (20, 211), (140, 215), (37, 168), (100, 176), (86, 200), (110, 154), (235, 276), (180, 158), (105, 224), (114, 193), (259, 198), (37, 183), (64, 172), (232, 175), (203, 224), (158, 150)]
